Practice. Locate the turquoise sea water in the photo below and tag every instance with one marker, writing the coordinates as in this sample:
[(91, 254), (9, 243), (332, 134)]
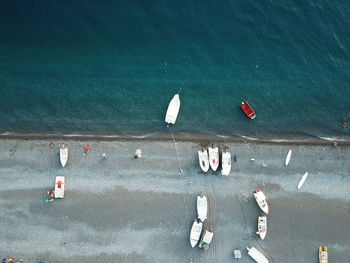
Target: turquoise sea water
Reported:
[(111, 67)]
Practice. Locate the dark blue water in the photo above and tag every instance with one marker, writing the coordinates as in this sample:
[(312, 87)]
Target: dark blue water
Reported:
[(111, 67)]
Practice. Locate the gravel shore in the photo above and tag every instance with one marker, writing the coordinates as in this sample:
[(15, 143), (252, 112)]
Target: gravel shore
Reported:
[(140, 210)]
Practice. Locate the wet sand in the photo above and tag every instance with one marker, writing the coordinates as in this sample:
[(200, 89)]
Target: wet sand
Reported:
[(127, 210)]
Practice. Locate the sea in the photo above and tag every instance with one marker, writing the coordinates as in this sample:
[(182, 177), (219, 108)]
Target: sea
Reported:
[(104, 67)]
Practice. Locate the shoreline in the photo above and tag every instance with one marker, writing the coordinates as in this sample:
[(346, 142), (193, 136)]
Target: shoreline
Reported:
[(190, 138)]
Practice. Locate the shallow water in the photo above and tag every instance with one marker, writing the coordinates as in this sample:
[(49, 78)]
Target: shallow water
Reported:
[(108, 67)]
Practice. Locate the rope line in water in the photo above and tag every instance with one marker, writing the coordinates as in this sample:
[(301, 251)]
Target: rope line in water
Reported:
[(177, 154)]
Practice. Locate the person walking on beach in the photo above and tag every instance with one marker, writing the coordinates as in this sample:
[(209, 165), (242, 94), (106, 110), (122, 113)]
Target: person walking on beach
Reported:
[(86, 149), (104, 156)]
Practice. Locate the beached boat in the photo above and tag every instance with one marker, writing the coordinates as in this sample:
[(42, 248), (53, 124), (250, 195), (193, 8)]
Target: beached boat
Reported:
[(261, 200), (214, 157), (202, 207), (257, 255), (226, 163), (59, 187), (173, 110), (248, 110), (288, 157), (323, 255), (262, 226), (206, 239), (196, 231), (63, 155), (302, 180), (203, 160)]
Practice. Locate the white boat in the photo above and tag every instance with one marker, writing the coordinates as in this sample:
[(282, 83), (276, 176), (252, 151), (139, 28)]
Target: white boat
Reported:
[(173, 110), (288, 157), (203, 160), (261, 200), (214, 158), (262, 226), (63, 155), (202, 207), (196, 231), (59, 187), (323, 255), (302, 180), (226, 163), (257, 255)]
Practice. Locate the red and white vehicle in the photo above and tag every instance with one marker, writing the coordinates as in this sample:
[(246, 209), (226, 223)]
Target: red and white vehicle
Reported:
[(248, 110)]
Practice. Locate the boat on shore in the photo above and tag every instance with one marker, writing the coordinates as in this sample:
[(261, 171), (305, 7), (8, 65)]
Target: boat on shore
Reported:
[(202, 207), (288, 157), (196, 231), (226, 163), (59, 187), (203, 160), (262, 226), (261, 200), (63, 155), (214, 157), (206, 239), (257, 255), (323, 255), (248, 110), (302, 180), (173, 110)]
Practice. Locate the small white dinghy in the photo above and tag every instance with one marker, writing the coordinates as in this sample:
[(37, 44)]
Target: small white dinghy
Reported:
[(59, 187), (226, 163), (302, 180), (288, 157), (257, 255), (262, 226), (202, 207), (214, 157), (196, 231), (63, 155), (173, 110), (203, 160), (261, 200)]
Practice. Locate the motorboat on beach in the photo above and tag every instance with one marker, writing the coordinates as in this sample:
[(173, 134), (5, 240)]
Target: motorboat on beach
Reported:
[(214, 157), (202, 207), (203, 160), (173, 110), (59, 187), (261, 200), (226, 163), (248, 110), (302, 180), (262, 226), (196, 231), (257, 255), (206, 239), (63, 155), (323, 255), (288, 157)]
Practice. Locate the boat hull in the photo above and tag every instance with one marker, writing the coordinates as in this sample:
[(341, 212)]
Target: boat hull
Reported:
[(288, 157), (214, 158), (63, 156), (195, 234), (226, 163), (262, 227), (302, 180), (203, 160), (257, 255), (261, 200), (248, 110), (59, 186), (202, 207), (173, 110)]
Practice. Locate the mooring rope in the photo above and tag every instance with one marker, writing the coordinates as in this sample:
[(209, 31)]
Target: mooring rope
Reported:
[(177, 154)]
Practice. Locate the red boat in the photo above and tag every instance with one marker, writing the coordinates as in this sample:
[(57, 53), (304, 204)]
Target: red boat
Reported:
[(248, 110)]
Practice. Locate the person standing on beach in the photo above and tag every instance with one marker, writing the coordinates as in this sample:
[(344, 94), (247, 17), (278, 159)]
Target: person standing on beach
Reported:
[(86, 149)]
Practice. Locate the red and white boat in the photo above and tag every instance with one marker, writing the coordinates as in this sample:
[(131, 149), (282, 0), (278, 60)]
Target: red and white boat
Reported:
[(248, 110)]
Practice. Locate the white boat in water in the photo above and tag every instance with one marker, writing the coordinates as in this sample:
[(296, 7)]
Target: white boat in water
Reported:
[(59, 187), (261, 200), (262, 226), (214, 157), (288, 157), (226, 163), (173, 110), (63, 155), (203, 160), (202, 207), (302, 180), (257, 255), (196, 231)]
